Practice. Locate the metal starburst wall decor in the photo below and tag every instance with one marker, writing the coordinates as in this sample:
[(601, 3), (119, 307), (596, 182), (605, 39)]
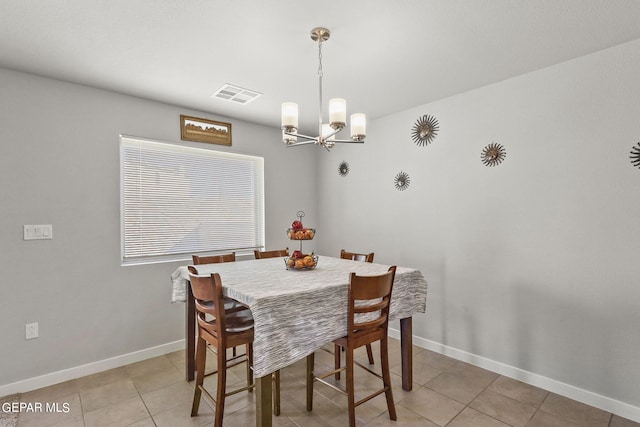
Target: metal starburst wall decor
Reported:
[(401, 181), (635, 156), (425, 130), (493, 154), (343, 168)]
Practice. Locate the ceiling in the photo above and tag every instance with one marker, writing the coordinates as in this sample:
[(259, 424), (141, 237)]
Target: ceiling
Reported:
[(383, 56)]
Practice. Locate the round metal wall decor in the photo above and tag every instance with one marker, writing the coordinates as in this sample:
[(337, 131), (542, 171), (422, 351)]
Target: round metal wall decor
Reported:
[(635, 156), (493, 154), (343, 168), (401, 181), (425, 130)]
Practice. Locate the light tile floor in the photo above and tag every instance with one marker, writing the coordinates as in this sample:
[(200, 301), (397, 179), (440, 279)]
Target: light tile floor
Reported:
[(446, 392)]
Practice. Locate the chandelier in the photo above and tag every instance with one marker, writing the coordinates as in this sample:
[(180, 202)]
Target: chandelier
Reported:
[(337, 113)]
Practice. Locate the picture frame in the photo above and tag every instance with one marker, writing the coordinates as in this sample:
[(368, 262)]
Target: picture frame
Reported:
[(204, 130)]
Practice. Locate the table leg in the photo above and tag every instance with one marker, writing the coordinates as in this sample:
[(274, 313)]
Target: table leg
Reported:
[(263, 401), (406, 348), (190, 347)]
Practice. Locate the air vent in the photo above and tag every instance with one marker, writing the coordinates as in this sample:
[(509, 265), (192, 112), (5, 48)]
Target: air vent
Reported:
[(236, 94)]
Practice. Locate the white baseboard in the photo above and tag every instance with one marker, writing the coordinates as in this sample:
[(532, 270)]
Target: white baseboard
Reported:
[(621, 409), (89, 369), (605, 403)]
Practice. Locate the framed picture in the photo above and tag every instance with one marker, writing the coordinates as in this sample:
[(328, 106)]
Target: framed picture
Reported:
[(203, 130)]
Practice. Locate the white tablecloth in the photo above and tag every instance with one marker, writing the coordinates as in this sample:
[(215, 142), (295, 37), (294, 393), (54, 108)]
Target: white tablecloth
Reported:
[(296, 312)]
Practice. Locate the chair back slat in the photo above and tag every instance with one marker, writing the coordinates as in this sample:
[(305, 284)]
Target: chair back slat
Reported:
[(213, 259), (370, 308), (354, 256), (367, 326), (271, 254)]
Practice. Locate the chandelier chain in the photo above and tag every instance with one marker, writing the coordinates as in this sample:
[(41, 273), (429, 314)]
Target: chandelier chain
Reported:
[(320, 58), (320, 120)]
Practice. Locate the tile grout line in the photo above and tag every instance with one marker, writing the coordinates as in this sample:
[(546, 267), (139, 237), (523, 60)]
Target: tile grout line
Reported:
[(142, 400)]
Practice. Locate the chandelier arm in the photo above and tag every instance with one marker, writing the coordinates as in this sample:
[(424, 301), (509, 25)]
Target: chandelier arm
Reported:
[(299, 135), (295, 144), (348, 141)]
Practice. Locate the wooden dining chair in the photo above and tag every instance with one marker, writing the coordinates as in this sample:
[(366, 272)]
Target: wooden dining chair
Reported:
[(230, 304), (221, 330), (271, 254), (367, 322), (354, 256)]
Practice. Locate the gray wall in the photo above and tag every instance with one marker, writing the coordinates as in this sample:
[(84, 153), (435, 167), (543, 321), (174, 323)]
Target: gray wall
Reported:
[(532, 264), (60, 165)]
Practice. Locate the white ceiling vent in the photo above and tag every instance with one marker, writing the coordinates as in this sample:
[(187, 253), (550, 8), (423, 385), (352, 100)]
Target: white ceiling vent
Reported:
[(236, 94)]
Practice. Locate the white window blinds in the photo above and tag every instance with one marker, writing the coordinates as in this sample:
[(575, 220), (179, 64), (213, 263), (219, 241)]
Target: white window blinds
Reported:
[(177, 201)]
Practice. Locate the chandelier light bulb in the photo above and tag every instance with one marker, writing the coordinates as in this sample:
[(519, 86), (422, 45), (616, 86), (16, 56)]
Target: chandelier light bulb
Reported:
[(358, 126), (290, 116), (328, 130), (337, 112)]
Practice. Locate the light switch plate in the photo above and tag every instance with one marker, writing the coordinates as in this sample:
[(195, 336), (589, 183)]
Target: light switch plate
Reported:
[(38, 232)]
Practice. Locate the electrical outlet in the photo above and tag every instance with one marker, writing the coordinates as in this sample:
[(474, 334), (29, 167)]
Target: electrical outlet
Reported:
[(31, 330)]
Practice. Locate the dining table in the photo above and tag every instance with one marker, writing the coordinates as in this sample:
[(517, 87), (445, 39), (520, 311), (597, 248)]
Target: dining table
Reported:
[(296, 312)]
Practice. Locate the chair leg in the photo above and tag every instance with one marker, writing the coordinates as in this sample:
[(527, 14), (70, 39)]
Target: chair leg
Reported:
[(370, 354), (336, 355), (249, 352), (201, 357), (222, 384), (386, 378), (276, 392), (310, 362), (350, 386)]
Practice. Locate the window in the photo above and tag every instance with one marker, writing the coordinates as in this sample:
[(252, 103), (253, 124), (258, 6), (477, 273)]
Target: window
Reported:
[(177, 201)]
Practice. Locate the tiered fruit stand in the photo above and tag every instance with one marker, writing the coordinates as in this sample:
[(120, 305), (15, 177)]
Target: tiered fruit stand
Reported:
[(298, 259)]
